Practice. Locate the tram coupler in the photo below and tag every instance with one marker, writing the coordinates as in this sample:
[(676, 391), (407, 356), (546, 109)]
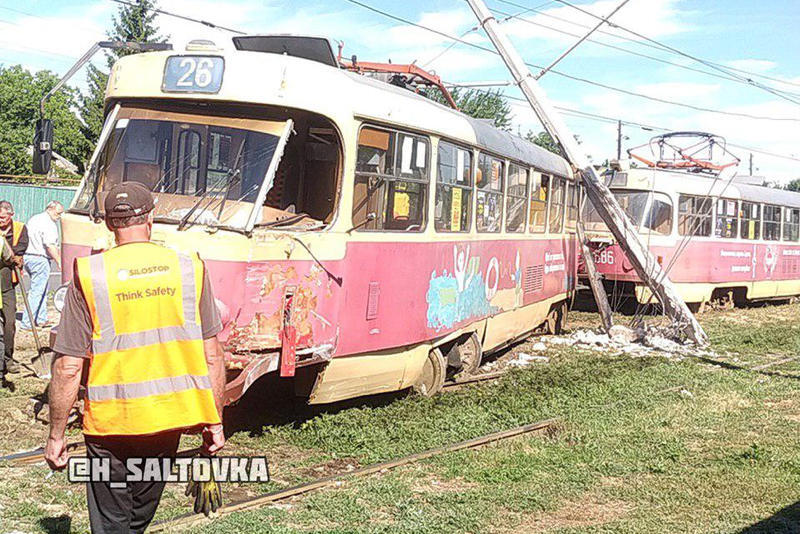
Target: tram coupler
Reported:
[(288, 336)]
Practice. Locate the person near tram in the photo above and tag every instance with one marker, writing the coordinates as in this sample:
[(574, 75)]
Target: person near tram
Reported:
[(42, 249), (16, 235), (145, 317)]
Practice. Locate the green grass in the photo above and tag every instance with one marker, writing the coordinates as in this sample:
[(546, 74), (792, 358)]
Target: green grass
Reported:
[(643, 445)]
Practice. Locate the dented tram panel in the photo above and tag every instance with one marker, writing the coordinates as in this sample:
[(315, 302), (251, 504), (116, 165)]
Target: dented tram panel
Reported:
[(365, 307)]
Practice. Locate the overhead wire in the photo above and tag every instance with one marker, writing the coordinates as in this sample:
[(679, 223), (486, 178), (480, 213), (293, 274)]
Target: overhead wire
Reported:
[(644, 43), (644, 126), (570, 76), (477, 27), (183, 17), (686, 55), (727, 77)]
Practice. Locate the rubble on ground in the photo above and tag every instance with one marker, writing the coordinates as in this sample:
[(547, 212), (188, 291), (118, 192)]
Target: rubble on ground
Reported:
[(522, 359), (641, 341)]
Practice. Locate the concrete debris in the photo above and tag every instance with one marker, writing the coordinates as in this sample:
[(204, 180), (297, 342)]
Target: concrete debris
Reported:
[(524, 359), (539, 347), (661, 343), (633, 341), (624, 335)]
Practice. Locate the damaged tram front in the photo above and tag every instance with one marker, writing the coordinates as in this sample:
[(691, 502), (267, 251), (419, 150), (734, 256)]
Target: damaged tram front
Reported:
[(307, 190)]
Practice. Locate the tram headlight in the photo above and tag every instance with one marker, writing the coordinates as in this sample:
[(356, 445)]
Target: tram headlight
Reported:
[(59, 296)]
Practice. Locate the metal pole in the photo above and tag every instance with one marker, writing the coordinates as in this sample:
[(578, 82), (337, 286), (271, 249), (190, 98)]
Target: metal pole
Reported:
[(751, 164), (625, 232), (619, 140)]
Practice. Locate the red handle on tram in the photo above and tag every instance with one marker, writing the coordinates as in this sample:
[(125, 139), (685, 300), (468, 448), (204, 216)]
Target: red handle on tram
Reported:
[(288, 338)]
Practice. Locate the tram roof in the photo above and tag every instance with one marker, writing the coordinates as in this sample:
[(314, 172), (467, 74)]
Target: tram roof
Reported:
[(694, 184), (252, 78), (768, 195)]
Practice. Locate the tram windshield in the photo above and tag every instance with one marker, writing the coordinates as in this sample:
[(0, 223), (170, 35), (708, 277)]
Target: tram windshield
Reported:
[(646, 210), (204, 170)]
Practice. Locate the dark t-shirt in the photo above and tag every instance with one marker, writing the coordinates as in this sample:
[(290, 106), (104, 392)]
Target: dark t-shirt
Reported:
[(74, 336)]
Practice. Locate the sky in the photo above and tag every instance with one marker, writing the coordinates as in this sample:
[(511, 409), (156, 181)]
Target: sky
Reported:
[(759, 38)]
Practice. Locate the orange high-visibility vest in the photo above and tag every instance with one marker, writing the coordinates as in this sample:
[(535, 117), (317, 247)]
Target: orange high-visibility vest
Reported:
[(148, 371), (15, 233)]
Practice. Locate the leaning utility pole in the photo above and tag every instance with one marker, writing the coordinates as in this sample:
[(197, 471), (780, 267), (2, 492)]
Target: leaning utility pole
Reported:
[(620, 225)]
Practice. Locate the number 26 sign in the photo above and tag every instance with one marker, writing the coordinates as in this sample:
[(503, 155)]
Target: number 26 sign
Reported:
[(193, 74)]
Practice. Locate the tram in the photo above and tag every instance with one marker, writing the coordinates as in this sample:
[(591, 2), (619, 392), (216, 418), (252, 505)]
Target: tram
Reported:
[(724, 240), (360, 238)]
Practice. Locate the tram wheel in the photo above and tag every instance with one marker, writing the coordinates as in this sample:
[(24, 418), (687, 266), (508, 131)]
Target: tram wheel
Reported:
[(431, 379), (466, 355), (557, 319)]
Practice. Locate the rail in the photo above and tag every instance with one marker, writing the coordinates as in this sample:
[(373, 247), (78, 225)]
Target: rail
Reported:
[(192, 519)]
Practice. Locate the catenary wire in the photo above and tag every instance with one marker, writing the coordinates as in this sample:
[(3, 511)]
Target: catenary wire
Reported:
[(727, 77), (570, 76), (683, 54), (647, 127), (645, 43)]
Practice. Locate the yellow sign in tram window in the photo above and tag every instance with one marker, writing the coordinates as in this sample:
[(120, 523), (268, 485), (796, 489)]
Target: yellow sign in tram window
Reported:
[(455, 210), (402, 206)]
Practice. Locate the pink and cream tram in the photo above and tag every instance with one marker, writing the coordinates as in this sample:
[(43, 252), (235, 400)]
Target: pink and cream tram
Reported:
[(359, 237), (721, 239)]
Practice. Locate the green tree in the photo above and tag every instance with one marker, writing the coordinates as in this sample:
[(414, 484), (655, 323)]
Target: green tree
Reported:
[(479, 104), (794, 185), (135, 22), (20, 92), (546, 141)]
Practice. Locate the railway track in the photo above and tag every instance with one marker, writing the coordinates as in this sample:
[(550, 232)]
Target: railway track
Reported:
[(188, 520), (455, 384), (191, 519), (77, 448)]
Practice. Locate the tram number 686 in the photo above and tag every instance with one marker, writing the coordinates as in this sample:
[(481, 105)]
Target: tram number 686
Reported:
[(605, 257)]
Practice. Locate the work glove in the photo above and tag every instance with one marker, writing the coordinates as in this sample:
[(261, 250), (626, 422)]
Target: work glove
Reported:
[(207, 495)]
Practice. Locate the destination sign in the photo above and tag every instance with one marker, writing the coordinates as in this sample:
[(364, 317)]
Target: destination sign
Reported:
[(193, 74)]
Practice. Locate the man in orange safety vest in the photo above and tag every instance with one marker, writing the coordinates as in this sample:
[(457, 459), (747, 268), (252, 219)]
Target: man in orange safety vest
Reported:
[(145, 317)]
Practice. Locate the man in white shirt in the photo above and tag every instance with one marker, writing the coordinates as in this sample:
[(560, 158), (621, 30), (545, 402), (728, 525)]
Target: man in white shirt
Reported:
[(42, 247)]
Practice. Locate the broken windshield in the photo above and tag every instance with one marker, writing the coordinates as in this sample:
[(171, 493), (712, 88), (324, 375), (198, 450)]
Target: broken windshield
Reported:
[(201, 169)]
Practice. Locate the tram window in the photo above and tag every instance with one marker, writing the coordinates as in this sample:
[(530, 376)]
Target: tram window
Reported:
[(188, 163), (391, 181), (453, 189), (659, 218), (772, 223), (555, 218), (727, 219), (573, 201), (750, 221), (791, 224), (517, 197), (219, 153), (490, 194), (537, 218), (694, 215)]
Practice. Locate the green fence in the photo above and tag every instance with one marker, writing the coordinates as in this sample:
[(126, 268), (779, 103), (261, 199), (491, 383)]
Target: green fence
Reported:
[(28, 200)]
